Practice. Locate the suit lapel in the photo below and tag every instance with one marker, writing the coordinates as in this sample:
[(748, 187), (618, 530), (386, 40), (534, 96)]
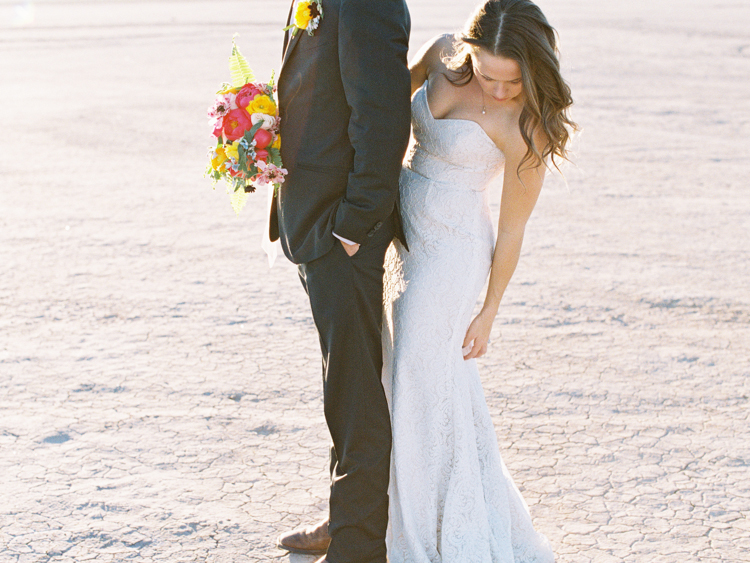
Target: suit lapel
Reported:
[(290, 47), (289, 41), (286, 33)]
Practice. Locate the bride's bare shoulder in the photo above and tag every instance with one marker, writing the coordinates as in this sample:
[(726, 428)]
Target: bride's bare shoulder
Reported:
[(431, 58)]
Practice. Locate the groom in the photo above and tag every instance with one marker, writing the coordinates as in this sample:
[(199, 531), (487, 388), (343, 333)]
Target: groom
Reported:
[(345, 115)]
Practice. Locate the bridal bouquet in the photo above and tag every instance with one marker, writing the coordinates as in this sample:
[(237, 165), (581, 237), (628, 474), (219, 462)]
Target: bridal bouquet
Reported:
[(245, 122)]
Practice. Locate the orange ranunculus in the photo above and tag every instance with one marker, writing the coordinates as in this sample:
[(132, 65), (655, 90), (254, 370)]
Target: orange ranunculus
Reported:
[(218, 162)]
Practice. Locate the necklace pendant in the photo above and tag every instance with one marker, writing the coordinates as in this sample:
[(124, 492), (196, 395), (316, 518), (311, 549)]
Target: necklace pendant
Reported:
[(484, 111)]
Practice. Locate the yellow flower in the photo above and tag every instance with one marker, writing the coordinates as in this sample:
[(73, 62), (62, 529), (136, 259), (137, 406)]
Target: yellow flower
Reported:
[(231, 151), (277, 143), (303, 16), (217, 162), (262, 104), (229, 90)]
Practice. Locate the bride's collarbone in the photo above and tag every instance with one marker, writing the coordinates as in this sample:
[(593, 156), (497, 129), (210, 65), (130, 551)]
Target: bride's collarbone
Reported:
[(450, 102)]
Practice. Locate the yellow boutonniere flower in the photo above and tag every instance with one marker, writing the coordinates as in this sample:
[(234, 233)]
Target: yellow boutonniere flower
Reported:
[(262, 104), (277, 143), (303, 15), (307, 16)]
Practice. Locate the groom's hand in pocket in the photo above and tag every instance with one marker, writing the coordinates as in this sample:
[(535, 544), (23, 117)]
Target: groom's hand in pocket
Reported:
[(351, 249)]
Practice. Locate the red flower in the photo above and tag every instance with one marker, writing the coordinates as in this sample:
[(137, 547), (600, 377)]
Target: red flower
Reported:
[(262, 138), (261, 154), (246, 95), (236, 122)]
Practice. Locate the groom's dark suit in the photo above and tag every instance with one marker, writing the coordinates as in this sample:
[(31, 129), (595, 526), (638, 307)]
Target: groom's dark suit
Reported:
[(345, 114)]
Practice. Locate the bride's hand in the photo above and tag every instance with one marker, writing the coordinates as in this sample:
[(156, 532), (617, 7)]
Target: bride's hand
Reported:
[(478, 336)]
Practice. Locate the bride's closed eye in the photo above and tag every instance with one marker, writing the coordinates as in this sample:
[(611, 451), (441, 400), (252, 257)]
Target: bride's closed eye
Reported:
[(488, 79)]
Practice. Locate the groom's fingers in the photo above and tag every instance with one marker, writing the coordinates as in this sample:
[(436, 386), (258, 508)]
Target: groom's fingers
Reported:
[(351, 249)]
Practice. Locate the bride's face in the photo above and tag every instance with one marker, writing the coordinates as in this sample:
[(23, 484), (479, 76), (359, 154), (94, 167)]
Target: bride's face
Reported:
[(499, 77)]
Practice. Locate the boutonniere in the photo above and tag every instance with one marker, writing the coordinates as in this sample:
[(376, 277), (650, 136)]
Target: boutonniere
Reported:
[(307, 17)]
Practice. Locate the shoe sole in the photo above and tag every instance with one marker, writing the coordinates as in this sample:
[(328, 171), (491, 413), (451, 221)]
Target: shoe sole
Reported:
[(299, 551)]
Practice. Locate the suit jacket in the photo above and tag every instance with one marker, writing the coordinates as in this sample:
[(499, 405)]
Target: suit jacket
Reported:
[(344, 103)]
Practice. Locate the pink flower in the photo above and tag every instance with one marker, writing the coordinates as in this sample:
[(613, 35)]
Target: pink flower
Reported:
[(223, 104), (269, 174), (235, 123), (247, 94)]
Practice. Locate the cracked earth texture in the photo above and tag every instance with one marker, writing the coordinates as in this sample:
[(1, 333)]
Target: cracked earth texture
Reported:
[(160, 394)]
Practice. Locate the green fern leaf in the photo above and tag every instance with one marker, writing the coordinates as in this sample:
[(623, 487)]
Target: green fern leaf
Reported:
[(238, 200), (239, 68), (274, 156)]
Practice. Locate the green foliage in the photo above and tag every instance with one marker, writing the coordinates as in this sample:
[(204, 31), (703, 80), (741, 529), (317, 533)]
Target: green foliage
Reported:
[(250, 133), (274, 156), (238, 199), (213, 174), (239, 68), (242, 158)]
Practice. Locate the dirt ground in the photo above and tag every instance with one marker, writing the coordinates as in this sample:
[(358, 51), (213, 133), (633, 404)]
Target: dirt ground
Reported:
[(160, 395)]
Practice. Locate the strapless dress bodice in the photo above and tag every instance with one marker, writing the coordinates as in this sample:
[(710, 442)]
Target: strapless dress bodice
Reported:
[(451, 152)]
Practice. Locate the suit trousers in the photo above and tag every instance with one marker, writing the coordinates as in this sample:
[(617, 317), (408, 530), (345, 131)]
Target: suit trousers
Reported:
[(347, 306)]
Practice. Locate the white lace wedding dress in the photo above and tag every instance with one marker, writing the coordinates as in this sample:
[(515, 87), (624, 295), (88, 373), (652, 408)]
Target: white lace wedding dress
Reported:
[(451, 497)]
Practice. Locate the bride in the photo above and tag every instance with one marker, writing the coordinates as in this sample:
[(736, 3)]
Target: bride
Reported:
[(487, 102)]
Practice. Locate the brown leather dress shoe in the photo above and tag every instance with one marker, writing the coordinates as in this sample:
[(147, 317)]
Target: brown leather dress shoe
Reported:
[(312, 540)]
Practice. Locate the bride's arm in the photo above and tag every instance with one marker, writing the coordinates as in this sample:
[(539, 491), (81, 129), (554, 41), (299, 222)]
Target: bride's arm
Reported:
[(518, 201), (428, 59)]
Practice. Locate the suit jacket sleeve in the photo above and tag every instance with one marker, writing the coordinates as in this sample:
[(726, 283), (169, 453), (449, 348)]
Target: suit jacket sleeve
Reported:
[(373, 41)]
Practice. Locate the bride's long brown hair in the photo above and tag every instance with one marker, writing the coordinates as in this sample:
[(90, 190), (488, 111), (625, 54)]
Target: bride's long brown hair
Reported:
[(518, 30)]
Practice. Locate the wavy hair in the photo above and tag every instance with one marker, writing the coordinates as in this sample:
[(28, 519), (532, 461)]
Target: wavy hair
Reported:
[(518, 30)]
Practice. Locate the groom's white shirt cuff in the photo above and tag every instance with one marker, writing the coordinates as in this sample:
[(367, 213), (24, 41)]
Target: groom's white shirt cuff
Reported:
[(342, 239)]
